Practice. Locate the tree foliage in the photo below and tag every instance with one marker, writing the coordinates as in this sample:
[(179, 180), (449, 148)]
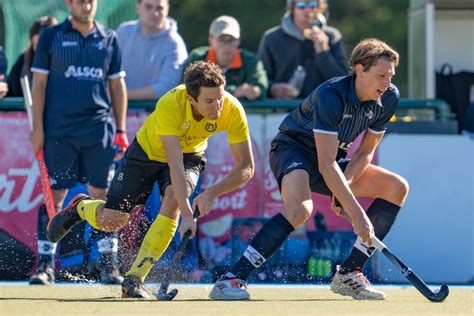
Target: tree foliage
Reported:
[(356, 19)]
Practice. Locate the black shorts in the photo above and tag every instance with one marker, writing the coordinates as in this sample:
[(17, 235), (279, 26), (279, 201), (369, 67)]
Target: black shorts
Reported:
[(286, 157), (134, 180), (72, 160)]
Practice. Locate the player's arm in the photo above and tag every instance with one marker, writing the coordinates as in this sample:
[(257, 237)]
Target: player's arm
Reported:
[(145, 93), (241, 172), (118, 93), (363, 155), (174, 156), (327, 147), (38, 95)]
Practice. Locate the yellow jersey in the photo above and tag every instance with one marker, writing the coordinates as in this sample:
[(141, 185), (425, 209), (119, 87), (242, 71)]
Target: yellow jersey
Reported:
[(173, 117)]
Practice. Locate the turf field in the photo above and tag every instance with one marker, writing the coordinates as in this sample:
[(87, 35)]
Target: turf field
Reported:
[(19, 298)]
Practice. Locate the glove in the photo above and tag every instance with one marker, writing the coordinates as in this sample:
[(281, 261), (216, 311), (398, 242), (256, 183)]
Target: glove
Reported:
[(121, 141)]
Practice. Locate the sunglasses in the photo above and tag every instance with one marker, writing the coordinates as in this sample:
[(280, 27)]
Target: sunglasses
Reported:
[(303, 4)]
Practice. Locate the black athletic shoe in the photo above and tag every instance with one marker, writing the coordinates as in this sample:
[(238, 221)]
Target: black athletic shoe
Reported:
[(66, 219), (133, 288), (44, 275)]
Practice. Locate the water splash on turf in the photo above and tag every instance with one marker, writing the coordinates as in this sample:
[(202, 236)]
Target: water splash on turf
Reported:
[(76, 278)]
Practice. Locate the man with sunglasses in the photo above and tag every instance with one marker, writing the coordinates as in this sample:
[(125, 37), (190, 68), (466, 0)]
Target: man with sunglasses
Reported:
[(244, 73), (302, 39)]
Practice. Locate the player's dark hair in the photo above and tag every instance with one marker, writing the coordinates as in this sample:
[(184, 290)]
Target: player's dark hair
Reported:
[(202, 74), (368, 51)]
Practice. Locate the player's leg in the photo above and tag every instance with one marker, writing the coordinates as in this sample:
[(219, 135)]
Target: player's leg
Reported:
[(290, 166), (154, 244), (107, 245), (162, 230), (98, 166), (297, 208), (131, 185), (61, 162), (389, 191), (46, 252)]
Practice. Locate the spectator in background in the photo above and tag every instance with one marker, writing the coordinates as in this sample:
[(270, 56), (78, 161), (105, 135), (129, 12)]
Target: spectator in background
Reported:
[(302, 52), (22, 66), (3, 87), (3, 71), (77, 66), (244, 72), (152, 51)]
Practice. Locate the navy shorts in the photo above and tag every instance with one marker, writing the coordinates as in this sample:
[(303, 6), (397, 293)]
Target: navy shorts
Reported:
[(134, 180), (75, 159), (286, 157)]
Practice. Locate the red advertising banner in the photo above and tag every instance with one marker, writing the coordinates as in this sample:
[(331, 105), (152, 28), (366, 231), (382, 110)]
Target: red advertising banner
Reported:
[(20, 193), (20, 188)]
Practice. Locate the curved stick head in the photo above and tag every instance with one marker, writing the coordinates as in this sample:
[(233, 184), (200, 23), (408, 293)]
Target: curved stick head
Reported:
[(166, 296), (440, 295)]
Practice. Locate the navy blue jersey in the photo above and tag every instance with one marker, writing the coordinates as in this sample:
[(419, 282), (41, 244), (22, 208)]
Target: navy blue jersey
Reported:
[(78, 70), (333, 108)]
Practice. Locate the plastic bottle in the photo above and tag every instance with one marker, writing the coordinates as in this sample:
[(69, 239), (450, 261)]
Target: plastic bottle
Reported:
[(297, 79), (313, 262)]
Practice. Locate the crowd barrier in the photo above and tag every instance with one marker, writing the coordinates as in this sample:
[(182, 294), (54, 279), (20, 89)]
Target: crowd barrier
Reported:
[(431, 116), (432, 109)]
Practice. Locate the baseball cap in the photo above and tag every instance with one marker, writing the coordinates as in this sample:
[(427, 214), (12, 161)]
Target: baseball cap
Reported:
[(225, 25)]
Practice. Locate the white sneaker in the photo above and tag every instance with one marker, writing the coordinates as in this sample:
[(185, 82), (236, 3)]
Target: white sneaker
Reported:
[(229, 288), (355, 284)]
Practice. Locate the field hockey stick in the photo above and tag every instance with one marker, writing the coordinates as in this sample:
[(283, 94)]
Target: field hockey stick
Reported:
[(44, 177), (408, 273), (163, 294), (411, 276)]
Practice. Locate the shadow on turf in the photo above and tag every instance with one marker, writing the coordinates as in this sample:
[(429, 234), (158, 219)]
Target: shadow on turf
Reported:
[(118, 299)]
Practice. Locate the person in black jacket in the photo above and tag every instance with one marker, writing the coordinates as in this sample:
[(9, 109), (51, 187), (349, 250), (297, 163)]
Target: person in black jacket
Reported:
[(302, 52), (23, 64)]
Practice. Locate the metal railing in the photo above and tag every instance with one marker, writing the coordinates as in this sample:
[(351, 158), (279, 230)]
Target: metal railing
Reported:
[(418, 110)]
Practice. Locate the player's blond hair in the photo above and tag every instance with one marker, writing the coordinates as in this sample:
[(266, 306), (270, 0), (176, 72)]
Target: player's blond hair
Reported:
[(202, 74), (369, 50)]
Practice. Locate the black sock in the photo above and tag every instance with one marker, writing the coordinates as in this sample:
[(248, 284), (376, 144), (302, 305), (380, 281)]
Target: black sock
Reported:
[(382, 214), (266, 242), (46, 249)]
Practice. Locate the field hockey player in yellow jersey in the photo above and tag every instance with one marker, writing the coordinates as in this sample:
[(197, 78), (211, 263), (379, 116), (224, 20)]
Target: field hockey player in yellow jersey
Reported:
[(169, 148)]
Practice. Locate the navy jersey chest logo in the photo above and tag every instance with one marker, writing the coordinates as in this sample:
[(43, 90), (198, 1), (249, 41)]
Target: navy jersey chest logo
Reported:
[(369, 114), (354, 121)]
